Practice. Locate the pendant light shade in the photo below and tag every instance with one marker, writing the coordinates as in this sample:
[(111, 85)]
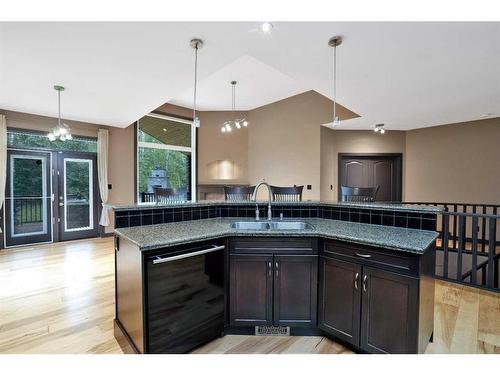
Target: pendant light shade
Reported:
[(61, 131), (238, 123), (196, 44), (334, 43)]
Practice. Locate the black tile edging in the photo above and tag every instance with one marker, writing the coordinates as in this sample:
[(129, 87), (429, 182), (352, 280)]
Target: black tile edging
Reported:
[(414, 220)]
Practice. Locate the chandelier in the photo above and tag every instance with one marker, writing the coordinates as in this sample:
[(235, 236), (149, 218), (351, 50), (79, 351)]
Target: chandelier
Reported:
[(235, 122), (61, 131)]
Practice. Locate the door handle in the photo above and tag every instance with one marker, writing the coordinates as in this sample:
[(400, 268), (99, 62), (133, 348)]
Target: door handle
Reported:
[(364, 282), (159, 259), (363, 255), (269, 266), (356, 278), (277, 270), (61, 204)]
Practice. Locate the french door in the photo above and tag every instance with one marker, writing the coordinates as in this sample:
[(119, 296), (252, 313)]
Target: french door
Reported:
[(50, 196), (28, 198), (76, 195)]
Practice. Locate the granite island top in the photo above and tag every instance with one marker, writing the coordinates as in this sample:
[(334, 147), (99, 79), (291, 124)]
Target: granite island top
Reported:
[(365, 205), (152, 237)]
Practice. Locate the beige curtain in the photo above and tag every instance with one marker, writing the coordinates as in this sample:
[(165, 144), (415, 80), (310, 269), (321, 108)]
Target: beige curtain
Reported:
[(102, 173), (3, 158)]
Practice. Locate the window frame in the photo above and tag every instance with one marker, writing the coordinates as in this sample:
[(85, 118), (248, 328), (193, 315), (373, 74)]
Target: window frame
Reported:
[(191, 150)]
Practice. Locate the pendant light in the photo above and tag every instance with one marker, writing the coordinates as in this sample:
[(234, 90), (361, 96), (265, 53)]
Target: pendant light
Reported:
[(61, 131), (335, 42), (196, 44), (379, 128), (236, 122)]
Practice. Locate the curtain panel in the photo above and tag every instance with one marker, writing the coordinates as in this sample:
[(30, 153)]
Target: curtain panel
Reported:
[(102, 173)]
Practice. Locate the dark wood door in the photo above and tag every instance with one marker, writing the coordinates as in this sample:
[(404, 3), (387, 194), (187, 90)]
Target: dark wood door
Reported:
[(384, 171), (251, 289), (389, 312), (295, 290), (340, 299)]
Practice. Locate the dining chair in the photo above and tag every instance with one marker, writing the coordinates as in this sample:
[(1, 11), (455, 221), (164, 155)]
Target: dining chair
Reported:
[(358, 194), (238, 193), (287, 193)]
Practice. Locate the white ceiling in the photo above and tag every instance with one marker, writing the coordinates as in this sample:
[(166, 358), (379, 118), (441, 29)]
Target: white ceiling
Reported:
[(406, 75)]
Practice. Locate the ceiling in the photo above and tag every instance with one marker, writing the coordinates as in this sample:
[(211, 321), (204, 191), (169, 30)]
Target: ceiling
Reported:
[(406, 75)]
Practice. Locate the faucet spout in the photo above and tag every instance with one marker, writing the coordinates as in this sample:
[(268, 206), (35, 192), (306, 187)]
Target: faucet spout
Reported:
[(270, 197)]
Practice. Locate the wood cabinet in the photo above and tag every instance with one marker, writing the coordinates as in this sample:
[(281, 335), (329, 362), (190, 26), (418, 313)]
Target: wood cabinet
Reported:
[(375, 300), (272, 288)]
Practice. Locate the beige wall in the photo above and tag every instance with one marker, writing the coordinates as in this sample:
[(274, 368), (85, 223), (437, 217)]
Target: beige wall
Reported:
[(334, 142), (454, 163), (284, 141)]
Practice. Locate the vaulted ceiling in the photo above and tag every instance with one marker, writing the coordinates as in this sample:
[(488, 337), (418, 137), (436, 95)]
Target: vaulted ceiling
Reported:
[(406, 75)]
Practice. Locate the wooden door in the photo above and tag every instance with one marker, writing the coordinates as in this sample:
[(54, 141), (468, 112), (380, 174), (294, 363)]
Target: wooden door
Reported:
[(389, 312), (340, 299), (251, 289), (385, 171), (295, 290)]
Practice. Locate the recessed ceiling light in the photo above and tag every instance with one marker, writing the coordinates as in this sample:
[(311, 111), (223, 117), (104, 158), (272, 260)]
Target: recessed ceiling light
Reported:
[(164, 129), (266, 27)]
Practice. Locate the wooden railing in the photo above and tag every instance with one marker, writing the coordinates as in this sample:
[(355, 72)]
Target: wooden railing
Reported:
[(468, 244)]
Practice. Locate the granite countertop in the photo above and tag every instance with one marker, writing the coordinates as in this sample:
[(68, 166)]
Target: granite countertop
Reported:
[(365, 205), (164, 235)]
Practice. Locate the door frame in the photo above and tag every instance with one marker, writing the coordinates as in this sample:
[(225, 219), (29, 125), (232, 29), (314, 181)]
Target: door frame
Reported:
[(398, 156)]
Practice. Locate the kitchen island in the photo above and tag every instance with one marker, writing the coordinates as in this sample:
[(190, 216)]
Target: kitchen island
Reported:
[(370, 286)]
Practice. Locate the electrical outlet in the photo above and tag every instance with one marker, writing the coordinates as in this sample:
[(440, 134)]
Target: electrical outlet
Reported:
[(309, 187)]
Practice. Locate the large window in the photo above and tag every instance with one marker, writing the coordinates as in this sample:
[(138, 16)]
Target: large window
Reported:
[(33, 140), (165, 159)]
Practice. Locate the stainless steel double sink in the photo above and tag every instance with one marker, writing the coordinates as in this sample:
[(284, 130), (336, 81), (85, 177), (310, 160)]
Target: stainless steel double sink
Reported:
[(271, 225)]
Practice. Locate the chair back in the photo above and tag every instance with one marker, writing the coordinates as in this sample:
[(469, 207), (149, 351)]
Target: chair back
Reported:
[(238, 193), (358, 194), (287, 193), (164, 195)]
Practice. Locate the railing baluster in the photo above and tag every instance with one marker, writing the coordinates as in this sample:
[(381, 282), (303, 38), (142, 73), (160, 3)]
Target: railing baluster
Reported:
[(461, 227), (473, 276), (455, 227), (446, 233), (491, 249), (483, 231)]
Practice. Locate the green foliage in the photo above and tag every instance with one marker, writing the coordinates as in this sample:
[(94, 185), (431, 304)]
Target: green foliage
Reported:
[(173, 162), (77, 180), (39, 141)]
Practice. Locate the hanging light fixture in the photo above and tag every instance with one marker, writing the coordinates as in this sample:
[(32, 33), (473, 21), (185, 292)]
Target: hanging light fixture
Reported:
[(61, 131), (335, 42), (379, 128), (238, 123), (196, 44)]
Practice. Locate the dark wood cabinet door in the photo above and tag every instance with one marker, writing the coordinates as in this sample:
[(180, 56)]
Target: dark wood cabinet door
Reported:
[(251, 289), (295, 290), (340, 299), (389, 312)]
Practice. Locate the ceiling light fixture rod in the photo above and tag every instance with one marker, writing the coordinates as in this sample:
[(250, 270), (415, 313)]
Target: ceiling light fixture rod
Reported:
[(335, 42), (196, 44)]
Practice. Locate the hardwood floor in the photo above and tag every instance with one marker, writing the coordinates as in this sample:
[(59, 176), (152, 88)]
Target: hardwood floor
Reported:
[(59, 298)]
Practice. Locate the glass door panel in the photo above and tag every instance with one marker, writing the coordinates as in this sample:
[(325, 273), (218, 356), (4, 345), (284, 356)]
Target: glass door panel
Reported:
[(77, 196), (28, 198)]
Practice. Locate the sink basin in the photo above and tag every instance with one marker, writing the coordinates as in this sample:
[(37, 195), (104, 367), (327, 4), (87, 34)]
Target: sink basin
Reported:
[(252, 225), (289, 225), (271, 225)]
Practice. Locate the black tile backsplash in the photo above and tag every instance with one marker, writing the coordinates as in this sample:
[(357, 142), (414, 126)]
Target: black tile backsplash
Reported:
[(131, 218)]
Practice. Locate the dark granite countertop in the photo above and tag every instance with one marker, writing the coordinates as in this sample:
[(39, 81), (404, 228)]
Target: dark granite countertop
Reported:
[(365, 205), (164, 235)]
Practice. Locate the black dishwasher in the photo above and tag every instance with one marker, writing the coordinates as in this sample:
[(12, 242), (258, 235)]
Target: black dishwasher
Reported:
[(185, 298)]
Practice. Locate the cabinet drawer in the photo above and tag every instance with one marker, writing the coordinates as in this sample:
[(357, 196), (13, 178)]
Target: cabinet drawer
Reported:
[(403, 263), (285, 245)]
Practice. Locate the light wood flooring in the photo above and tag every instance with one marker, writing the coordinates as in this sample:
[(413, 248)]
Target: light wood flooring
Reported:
[(59, 298)]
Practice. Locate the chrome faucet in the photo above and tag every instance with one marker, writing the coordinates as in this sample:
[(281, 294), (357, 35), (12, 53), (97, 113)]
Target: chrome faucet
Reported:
[(254, 198)]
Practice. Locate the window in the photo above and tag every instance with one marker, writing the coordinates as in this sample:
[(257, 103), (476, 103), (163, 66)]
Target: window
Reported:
[(165, 151), (32, 140)]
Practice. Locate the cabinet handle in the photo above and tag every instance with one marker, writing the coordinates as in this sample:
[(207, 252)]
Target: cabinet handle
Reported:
[(356, 278), (277, 272), (364, 282), (363, 255), (270, 269)]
